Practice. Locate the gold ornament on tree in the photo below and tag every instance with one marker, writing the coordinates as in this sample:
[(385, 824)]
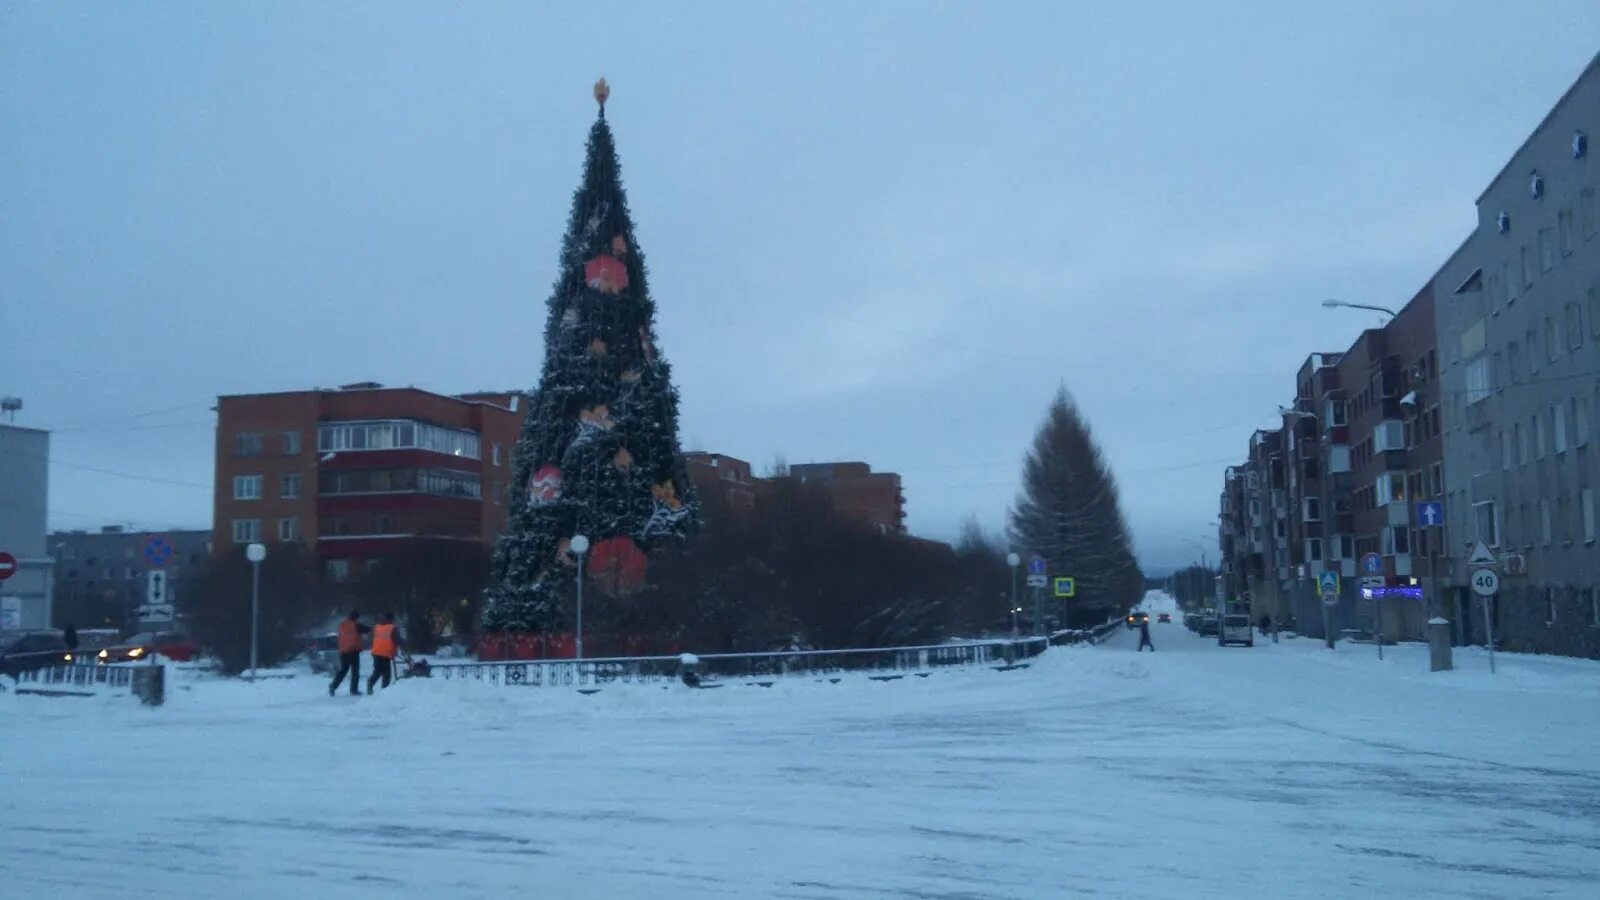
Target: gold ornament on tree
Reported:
[(602, 91)]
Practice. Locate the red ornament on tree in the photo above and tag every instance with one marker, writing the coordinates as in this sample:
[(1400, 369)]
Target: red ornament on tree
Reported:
[(606, 275), (617, 565), (545, 487)]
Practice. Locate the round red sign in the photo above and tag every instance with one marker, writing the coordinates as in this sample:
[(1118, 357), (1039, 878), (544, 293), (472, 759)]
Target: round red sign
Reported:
[(8, 565)]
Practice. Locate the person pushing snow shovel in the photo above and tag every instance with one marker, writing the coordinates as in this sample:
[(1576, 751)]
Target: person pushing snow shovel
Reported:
[(386, 640)]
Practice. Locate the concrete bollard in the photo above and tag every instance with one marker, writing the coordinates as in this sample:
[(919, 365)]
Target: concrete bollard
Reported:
[(1439, 652), (689, 669), (150, 684)]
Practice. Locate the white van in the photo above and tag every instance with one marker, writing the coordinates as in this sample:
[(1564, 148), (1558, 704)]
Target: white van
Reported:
[(1236, 629)]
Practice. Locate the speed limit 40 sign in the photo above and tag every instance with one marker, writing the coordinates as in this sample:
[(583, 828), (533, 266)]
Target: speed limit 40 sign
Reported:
[(1485, 582)]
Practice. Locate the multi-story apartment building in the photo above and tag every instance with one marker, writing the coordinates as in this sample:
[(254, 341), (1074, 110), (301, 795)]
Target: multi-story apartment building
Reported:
[(1339, 481), (364, 471), (24, 480), (103, 577), (1521, 331), (854, 490)]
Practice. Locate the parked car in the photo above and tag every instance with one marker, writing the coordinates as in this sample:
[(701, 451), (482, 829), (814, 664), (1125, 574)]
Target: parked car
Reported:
[(1236, 629), (31, 652), (175, 647), (1208, 623), (1163, 617), (322, 652)]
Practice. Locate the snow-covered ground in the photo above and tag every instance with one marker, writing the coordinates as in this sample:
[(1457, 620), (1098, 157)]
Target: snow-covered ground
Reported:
[(1281, 771)]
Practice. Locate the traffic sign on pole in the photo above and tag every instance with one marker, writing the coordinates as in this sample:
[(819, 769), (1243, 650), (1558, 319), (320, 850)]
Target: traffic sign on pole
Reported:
[(158, 551), (1430, 514), (1372, 563), (1485, 582), (1037, 581), (1036, 567), (1066, 586), (8, 565), (1482, 557), (1328, 586)]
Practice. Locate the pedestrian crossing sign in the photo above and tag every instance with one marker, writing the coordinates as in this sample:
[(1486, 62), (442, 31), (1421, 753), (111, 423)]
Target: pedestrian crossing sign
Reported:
[(1066, 586), (1329, 584)]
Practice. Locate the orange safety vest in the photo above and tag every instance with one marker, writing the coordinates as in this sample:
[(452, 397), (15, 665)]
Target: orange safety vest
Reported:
[(383, 641), (349, 636)]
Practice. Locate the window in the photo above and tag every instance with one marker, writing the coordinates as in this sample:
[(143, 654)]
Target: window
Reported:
[(1586, 502), (496, 448), (1479, 376), (247, 443), (335, 526), (289, 486), (1549, 606), (1438, 479), (1511, 282), (1486, 523), (1514, 362), (339, 569), (1573, 324), (1391, 487), (1314, 550), (1594, 311), (1396, 540), (1389, 435), (1522, 443), (1344, 546), (291, 443), (1537, 425), (397, 434), (382, 523), (1505, 451), (1546, 523), (246, 531), (1547, 249), (1564, 226), (1532, 341), (1336, 413), (247, 487), (1587, 220), (1552, 339), (1558, 415), (499, 493), (1338, 459), (1526, 264), (289, 529), (443, 482), (1313, 509), (1580, 421)]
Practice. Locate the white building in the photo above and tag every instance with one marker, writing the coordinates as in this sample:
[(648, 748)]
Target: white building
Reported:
[(24, 480)]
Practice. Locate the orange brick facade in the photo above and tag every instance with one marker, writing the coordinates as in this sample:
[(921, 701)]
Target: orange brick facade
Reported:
[(359, 472)]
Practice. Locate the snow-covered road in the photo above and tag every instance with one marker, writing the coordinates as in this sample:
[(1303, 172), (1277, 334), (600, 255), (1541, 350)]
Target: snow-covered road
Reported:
[(1196, 771)]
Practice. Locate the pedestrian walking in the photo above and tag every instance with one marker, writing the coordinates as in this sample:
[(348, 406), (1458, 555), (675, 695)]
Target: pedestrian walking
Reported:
[(386, 641), (350, 632), (1144, 636)]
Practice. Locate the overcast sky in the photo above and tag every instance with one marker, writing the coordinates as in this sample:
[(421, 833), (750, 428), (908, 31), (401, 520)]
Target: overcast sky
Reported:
[(877, 231)]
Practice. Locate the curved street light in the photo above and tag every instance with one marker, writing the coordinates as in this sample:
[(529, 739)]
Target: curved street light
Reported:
[(1331, 303)]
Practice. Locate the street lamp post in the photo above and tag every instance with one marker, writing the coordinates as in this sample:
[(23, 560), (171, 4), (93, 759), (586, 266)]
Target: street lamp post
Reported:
[(255, 553), (1331, 303), (1013, 560), (580, 546)]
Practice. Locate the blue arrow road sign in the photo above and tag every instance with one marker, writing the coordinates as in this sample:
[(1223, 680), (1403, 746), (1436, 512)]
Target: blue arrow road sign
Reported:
[(1430, 514), (1329, 583), (1372, 564), (1036, 566)]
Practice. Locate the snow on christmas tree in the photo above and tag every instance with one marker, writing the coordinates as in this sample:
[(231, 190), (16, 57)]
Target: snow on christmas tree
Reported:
[(599, 454)]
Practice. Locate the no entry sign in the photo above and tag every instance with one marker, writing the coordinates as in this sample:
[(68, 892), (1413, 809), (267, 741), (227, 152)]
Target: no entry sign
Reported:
[(8, 565)]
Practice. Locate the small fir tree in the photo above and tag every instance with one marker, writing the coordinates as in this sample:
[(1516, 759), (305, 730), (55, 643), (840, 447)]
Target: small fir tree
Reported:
[(599, 454)]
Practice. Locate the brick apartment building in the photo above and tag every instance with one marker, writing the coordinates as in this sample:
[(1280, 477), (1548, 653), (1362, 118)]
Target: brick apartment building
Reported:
[(855, 491), (1360, 446), (364, 471)]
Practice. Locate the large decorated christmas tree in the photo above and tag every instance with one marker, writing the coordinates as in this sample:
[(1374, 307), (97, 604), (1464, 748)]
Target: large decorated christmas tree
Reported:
[(599, 454)]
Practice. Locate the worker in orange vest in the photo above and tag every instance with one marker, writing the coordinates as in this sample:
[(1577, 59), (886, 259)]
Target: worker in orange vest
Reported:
[(386, 641), (350, 632)]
